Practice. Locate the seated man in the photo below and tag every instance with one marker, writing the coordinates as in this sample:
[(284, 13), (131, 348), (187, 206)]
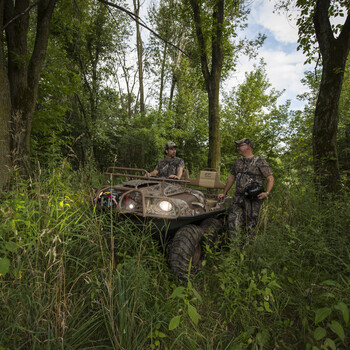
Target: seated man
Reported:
[(171, 166)]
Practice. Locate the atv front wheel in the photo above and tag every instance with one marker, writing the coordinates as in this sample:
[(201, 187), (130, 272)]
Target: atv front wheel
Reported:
[(186, 249)]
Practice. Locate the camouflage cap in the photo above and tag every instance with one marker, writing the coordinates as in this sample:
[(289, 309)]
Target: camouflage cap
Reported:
[(246, 140), (170, 145)]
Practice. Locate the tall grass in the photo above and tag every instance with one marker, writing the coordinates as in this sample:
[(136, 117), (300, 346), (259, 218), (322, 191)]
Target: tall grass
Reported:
[(75, 278)]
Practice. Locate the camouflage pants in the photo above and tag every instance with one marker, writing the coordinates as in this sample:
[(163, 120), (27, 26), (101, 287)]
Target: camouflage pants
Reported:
[(243, 218)]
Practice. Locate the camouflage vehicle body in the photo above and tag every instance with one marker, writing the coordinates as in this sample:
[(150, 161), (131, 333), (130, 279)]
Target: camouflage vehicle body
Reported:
[(174, 207)]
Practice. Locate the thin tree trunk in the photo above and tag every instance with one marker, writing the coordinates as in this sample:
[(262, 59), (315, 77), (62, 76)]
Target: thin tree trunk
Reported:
[(165, 51), (177, 64), (139, 57), (140, 70), (214, 125), (5, 111)]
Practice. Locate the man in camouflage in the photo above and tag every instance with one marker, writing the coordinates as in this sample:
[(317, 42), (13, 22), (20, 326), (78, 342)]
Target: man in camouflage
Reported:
[(171, 166), (244, 212)]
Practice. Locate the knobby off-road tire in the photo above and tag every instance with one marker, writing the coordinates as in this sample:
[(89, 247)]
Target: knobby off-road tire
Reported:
[(186, 247), (212, 228)]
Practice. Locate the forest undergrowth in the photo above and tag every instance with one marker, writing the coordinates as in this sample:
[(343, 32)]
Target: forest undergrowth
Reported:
[(75, 278)]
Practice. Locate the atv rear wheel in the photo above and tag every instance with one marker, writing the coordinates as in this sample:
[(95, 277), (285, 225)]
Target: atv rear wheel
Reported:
[(212, 228), (186, 248)]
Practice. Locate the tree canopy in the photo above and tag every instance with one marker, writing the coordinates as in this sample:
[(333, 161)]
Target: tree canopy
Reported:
[(82, 97)]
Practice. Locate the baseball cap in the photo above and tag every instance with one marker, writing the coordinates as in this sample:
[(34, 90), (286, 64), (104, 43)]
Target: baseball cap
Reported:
[(170, 144), (246, 140)]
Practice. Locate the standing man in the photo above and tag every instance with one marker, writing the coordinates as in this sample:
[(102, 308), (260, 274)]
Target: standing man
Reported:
[(248, 170), (171, 166)]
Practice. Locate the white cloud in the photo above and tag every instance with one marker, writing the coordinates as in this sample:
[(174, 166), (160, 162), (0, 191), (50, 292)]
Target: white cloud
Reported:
[(284, 64), (282, 29), (284, 72)]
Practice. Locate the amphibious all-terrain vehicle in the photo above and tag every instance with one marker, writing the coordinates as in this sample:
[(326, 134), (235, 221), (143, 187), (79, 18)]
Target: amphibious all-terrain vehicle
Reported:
[(186, 212)]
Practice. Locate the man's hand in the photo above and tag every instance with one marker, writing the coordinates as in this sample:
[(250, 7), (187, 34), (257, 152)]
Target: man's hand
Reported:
[(221, 196), (173, 177), (152, 173), (263, 195)]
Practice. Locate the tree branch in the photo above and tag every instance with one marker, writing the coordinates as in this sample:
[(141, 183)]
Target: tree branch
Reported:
[(322, 25), (344, 36), (201, 41), (138, 20), (21, 14), (217, 49)]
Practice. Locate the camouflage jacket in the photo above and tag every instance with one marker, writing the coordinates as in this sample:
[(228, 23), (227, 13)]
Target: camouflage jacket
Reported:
[(248, 170), (167, 167)]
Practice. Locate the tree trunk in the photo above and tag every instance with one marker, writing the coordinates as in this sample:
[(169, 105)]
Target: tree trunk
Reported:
[(23, 75), (139, 58), (334, 54), (212, 77), (162, 74), (175, 70), (325, 129), (214, 125), (5, 111), (140, 69)]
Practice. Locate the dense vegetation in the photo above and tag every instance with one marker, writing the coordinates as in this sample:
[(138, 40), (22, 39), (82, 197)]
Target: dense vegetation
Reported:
[(75, 278), (78, 279)]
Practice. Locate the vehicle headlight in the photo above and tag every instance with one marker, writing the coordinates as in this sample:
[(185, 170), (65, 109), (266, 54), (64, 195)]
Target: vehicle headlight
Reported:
[(130, 202), (161, 207), (165, 205)]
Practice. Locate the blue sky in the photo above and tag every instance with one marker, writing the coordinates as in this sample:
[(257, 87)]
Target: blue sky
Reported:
[(284, 64)]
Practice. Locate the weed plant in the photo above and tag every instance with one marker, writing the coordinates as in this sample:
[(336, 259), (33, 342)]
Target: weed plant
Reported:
[(75, 278)]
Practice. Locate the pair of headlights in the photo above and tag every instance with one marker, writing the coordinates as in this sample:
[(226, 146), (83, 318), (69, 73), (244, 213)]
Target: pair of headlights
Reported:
[(162, 205)]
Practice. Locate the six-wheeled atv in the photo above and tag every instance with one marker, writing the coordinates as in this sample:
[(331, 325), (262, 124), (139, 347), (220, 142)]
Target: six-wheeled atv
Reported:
[(177, 209)]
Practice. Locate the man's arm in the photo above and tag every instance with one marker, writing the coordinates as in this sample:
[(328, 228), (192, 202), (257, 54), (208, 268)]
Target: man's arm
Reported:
[(179, 170), (179, 173), (269, 186), (230, 181), (153, 173)]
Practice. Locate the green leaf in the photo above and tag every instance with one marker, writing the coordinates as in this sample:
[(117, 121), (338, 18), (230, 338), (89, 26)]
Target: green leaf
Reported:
[(197, 294), (11, 246), (319, 333), (321, 314), (344, 310), (337, 328), (174, 322), (4, 266), (267, 306), (178, 292), (194, 315), (329, 342), (330, 283)]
